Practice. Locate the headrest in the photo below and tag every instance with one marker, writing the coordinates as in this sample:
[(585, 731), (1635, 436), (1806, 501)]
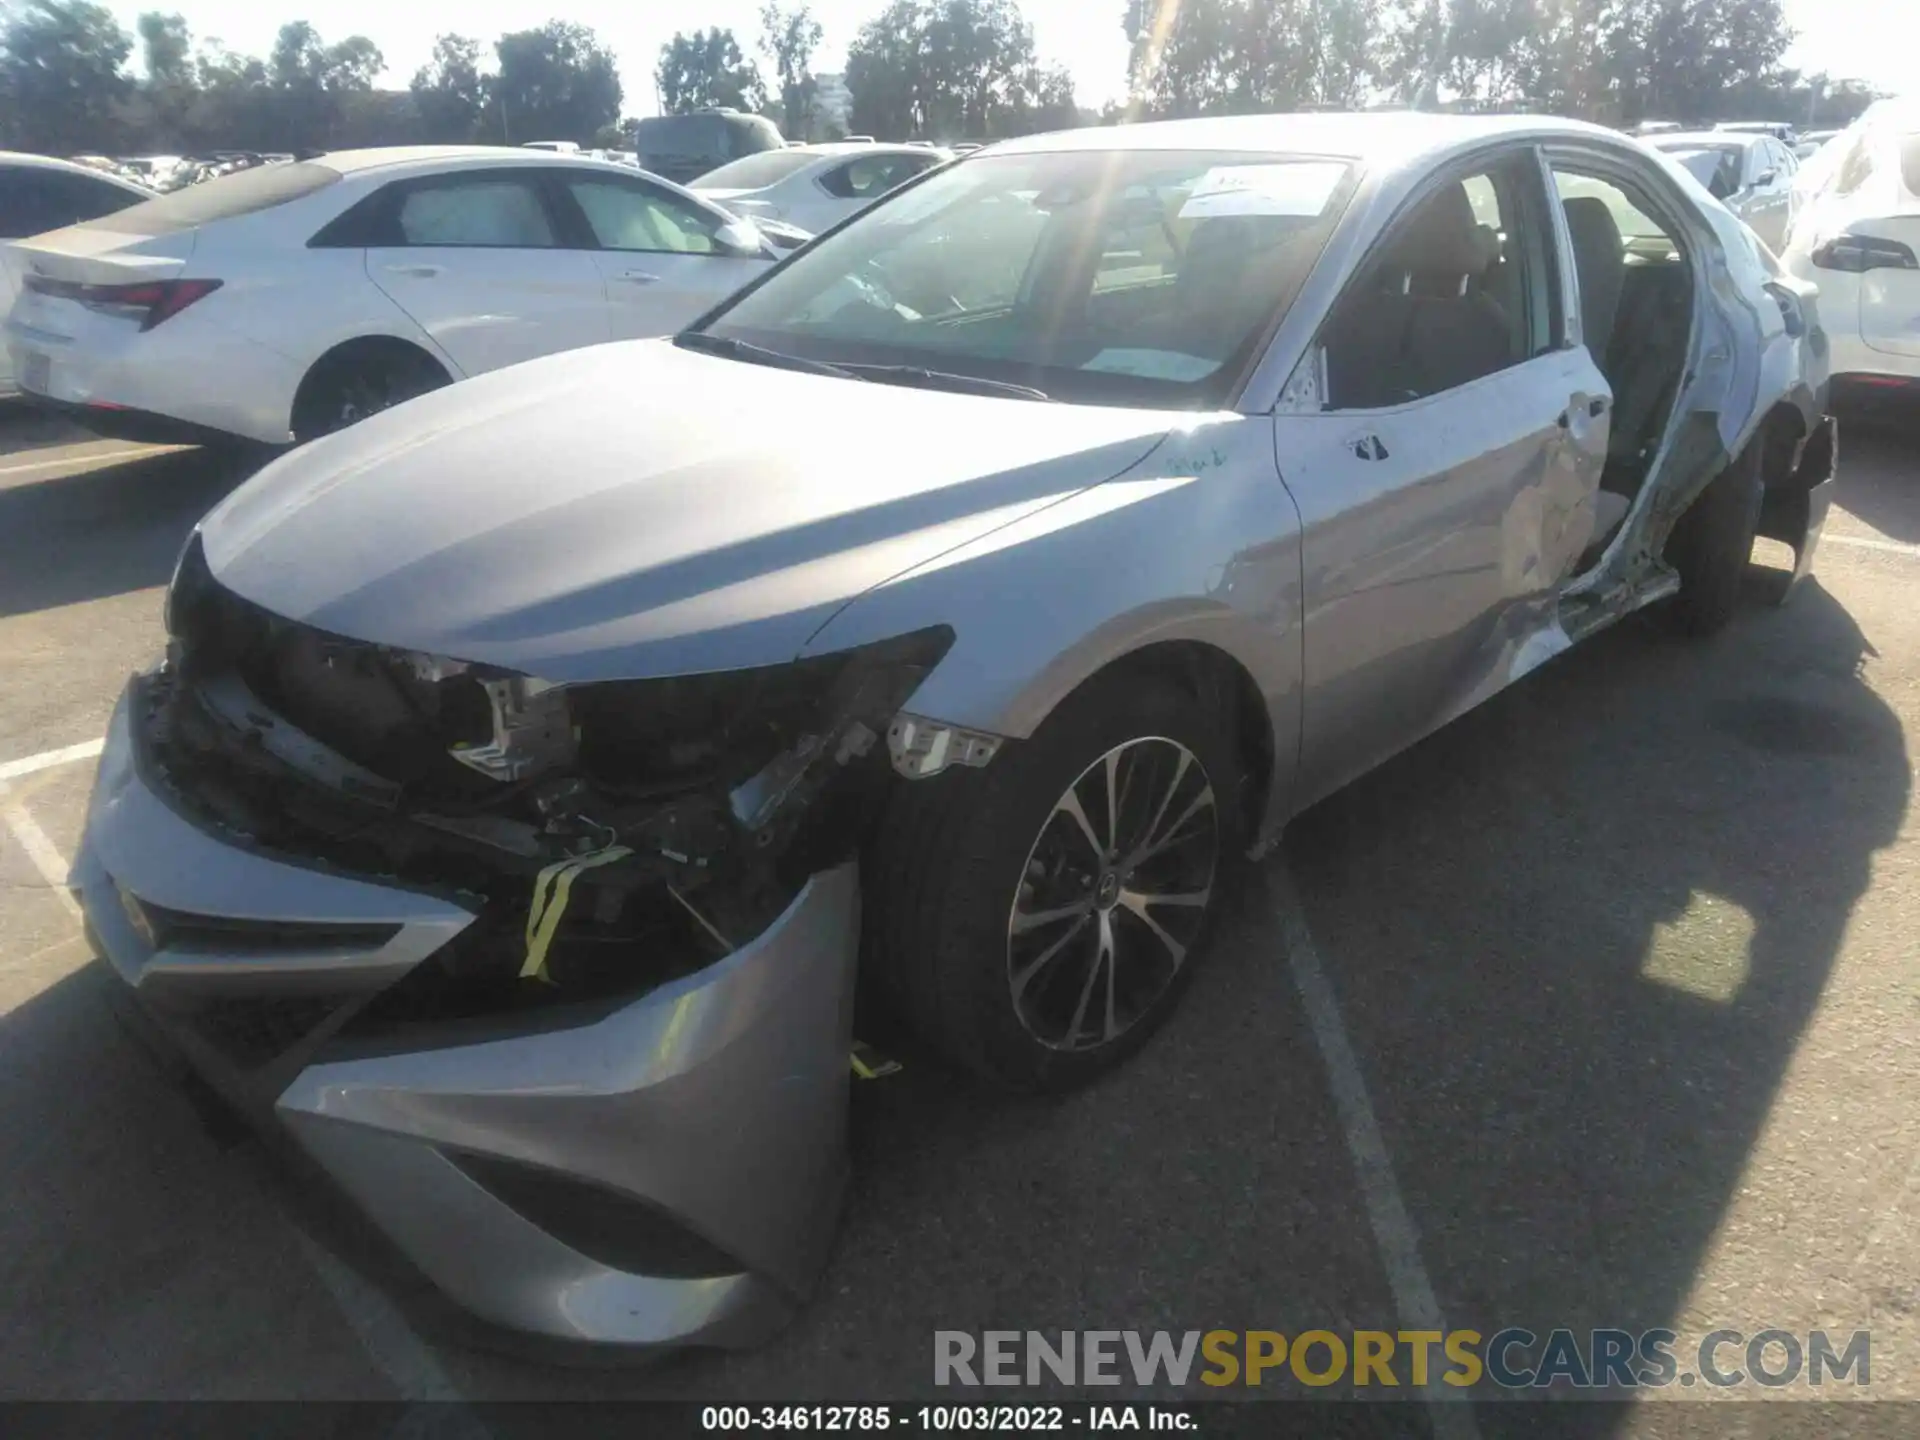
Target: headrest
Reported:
[(1592, 226), (1443, 238)]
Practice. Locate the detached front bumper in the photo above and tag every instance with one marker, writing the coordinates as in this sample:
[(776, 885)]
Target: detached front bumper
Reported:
[(664, 1172)]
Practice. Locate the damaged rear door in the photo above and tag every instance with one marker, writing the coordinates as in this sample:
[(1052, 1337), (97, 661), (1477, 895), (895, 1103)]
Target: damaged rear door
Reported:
[(1446, 484)]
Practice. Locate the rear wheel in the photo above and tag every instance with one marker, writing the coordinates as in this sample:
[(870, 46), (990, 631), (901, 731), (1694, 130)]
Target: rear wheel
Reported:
[(361, 380), (1713, 543), (1036, 921)]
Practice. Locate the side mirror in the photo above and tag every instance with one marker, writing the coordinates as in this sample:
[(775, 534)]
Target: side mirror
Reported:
[(741, 240)]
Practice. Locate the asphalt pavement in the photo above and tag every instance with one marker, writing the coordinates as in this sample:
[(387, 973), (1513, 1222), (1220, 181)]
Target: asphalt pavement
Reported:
[(1596, 1010)]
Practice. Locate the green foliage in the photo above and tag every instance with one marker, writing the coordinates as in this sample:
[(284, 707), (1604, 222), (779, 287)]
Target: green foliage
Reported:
[(554, 83), (706, 70), (953, 70), (60, 75), (449, 95), (789, 36)]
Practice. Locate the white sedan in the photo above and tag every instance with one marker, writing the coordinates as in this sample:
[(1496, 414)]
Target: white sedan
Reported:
[(1858, 238), (816, 186), (39, 193), (284, 302)]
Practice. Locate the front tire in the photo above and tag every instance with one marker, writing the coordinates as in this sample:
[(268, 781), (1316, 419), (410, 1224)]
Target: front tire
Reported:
[(1713, 543), (1035, 922)]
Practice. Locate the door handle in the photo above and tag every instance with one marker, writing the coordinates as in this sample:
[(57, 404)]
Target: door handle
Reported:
[(638, 277), (416, 272)]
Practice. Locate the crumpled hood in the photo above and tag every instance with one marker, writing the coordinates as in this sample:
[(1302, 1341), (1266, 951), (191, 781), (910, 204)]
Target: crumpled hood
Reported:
[(636, 510)]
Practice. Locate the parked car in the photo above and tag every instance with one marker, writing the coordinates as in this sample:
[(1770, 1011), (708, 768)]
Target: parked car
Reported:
[(535, 764), (281, 303), (815, 186), (38, 193), (685, 147), (1810, 141), (1750, 173), (1779, 129), (1858, 237)]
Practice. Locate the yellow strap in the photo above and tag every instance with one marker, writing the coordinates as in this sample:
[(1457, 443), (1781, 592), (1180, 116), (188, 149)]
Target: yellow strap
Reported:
[(552, 889)]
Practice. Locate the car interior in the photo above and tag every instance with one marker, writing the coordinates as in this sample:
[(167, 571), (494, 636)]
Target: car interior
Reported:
[(1447, 301), (1636, 318)]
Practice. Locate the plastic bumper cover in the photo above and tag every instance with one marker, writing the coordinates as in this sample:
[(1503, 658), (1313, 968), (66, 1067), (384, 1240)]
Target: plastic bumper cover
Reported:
[(711, 1110)]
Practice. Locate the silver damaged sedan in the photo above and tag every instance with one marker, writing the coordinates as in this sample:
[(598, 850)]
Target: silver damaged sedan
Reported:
[(536, 768)]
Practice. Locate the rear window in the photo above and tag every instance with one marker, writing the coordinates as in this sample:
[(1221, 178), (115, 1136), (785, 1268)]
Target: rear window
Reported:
[(242, 193), (755, 172)]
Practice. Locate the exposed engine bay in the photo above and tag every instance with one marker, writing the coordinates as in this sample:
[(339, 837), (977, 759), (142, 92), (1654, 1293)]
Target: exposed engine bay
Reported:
[(671, 820)]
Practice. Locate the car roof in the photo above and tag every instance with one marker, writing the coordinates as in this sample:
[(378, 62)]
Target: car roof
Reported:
[(47, 162), (1384, 139), (427, 157)]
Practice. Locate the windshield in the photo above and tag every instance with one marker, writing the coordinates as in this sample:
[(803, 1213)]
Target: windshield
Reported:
[(756, 172), (1102, 277)]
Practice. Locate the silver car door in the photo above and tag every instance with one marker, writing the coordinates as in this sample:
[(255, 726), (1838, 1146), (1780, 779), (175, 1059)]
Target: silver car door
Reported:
[(1446, 481)]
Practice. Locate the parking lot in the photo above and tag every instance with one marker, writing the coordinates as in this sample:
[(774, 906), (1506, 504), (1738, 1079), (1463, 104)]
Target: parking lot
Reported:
[(1598, 1009)]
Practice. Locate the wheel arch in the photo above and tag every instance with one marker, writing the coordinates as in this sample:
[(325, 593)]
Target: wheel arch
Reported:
[(370, 345)]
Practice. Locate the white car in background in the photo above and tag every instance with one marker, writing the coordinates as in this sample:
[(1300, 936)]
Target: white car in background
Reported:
[(1749, 172), (39, 193), (280, 303), (815, 187), (1858, 237)]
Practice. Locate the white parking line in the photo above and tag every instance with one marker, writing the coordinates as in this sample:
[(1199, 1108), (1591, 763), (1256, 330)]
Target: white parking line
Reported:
[(391, 1344), (1868, 542), (104, 457), (47, 759), (44, 854), (1393, 1231)]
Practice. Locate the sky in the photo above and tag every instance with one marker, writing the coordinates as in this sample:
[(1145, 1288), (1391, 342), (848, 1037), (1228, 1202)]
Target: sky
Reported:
[(1873, 40)]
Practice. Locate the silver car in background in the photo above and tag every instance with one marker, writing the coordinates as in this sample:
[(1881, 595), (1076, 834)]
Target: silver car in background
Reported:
[(537, 767), (1749, 172)]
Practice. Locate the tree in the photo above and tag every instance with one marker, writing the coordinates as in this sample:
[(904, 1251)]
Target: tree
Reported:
[(307, 79), (953, 70), (1239, 56), (554, 83), (165, 46), (706, 70), (449, 94), (60, 76), (789, 37)]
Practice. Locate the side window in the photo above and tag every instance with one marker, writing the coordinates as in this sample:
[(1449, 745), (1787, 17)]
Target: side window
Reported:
[(635, 217), (33, 201), (17, 207), (491, 210), (77, 198), (1609, 233), (870, 176), (1459, 289)]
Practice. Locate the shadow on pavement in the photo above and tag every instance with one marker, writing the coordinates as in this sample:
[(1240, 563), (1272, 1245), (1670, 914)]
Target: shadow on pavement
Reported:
[(108, 531), (1576, 938)]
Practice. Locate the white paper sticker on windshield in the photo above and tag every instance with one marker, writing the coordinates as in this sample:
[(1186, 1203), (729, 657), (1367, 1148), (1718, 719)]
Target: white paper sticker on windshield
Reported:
[(1296, 188), (1153, 364)]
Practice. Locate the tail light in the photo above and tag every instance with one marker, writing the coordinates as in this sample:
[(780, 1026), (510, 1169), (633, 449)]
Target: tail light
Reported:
[(148, 301), (1860, 253)]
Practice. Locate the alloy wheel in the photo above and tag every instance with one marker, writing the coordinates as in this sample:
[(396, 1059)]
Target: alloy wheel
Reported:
[(1113, 895)]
